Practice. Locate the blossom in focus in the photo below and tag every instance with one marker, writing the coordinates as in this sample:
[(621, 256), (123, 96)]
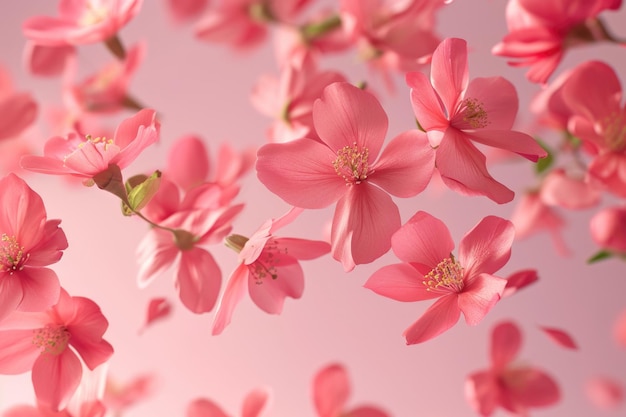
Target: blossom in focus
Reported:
[(345, 167), (516, 388), (254, 404), (608, 229), (268, 269), (81, 22), (541, 31), (461, 285), (455, 113), (28, 243), (55, 344), (331, 390), (87, 156)]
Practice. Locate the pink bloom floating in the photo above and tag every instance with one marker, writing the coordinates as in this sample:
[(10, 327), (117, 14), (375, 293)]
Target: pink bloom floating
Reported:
[(541, 31), (343, 167), (331, 390), (254, 404), (514, 388), (81, 22), (455, 113), (54, 344), (464, 285), (268, 269), (28, 243), (85, 157)]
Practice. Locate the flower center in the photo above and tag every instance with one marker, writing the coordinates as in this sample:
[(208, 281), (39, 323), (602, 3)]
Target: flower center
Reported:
[(12, 256), (103, 141), (52, 339), (615, 132), (447, 276), (474, 113), (266, 265), (351, 164), (94, 14)]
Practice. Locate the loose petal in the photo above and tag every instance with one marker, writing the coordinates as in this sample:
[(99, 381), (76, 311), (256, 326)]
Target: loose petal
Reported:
[(506, 341), (198, 279), (560, 337), (331, 389)]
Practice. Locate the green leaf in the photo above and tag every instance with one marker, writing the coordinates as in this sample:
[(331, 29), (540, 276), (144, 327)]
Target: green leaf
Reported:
[(544, 163), (603, 254)]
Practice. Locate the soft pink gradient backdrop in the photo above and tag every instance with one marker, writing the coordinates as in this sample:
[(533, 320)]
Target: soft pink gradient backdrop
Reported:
[(204, 89)]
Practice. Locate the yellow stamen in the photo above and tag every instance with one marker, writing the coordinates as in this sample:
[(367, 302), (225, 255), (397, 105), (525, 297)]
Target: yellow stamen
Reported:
[(52, 339), (446, 276), (474, 113), (351, 164), (12, 256)]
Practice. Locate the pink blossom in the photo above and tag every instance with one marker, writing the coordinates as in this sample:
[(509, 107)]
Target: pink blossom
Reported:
[(343, 167), (605, 393), (455, 113), (87, 156), (608, 229), (254, 404), (464, 285), (268, 268), (541, 31), (563, 190), (331, 390), (81, 22), (28, 243), (594, 93), (514, 388), (55, 344)]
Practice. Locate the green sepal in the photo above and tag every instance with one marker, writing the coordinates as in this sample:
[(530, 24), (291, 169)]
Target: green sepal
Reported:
[(544, 163), (141, 189), (600, 256)]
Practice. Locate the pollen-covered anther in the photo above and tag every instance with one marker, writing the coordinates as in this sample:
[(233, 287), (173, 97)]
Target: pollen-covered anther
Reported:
[(265, 266), (352, 164), (12, 256), (474, 114), (615, 132), (446, 276), (52, 339)]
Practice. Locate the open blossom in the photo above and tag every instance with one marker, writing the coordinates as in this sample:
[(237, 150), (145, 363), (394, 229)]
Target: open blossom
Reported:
[(254, 404), (55, 344), (28, 243), (81, 22), (268, 269), (516, 388), (593, 93), (88, 156), (331, 390), (461, 285), (541, 31), (455, 113), (344, 167)]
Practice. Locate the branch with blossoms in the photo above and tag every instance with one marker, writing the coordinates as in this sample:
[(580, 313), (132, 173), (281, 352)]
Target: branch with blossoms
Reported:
[(326, 146)]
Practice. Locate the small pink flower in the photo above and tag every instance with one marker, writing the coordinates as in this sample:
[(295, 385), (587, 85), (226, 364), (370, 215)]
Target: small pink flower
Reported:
[(514, 388), (540, 32), (18, 109), (331, 390), (87, 156), (608, 229), (81, 22), (455, 113), (254, 404), (28, 243), (345, 167), (268, 268), (464, 285), (54, 344)]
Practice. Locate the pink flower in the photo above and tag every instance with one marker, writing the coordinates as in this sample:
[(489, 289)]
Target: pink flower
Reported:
[(541, 31), (608, 229), (254, 404), (81, 22), (54, 344), (87, 156), (593, 93), (28, 243), (455, 113), (514, 388), (563, 190), (343, 167), (331, 390), (268, 267), (464, 285)]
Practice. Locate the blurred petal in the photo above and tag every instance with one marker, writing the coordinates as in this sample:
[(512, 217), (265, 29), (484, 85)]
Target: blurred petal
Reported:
[(506, 341), (560, 337), (331, 389), (198, 279)]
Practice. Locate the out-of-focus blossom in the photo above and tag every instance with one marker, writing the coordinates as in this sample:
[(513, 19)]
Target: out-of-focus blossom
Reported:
[(331, 390), (345, 167), (18, 109), (28, 243), (55, 344), (87, 156), (254, 405), (290, 99), (608, 229), (605, 393), (268, 269), (430, 271), (541, 31), (515, 388), (184, 10), (120, 396), (562, 190), (81, 22), (48, 61), (619, 329), (455, 113)]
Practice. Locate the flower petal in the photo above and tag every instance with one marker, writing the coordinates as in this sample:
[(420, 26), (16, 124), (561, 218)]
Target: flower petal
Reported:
[(487, 247), (506, 341), (331, 390), (510, 140), (423, 240), (188, 162), (17, 351), (426, 104), (203, 407), (439, 317), (302, 249), (56, 378), (156, 252), (400, 282), (234, 292), (482, 392), (40, 288), (272, 278), (498, 99), (479, 296), (519, 280), (530, 387), (255, 402), (198, 280), (449, 72), (560, 337)]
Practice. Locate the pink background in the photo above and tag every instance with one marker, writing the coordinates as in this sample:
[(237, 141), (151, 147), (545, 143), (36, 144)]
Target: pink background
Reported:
[(204, 89)]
